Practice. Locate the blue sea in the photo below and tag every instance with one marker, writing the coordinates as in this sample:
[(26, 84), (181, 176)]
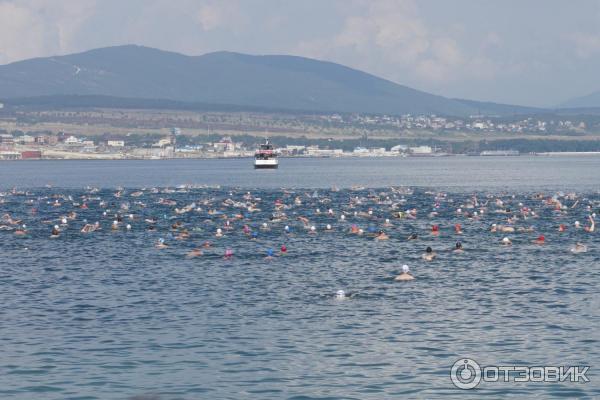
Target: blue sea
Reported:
[(108, 315)]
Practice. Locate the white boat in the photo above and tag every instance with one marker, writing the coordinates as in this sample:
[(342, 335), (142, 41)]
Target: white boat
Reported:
[(265, 156)]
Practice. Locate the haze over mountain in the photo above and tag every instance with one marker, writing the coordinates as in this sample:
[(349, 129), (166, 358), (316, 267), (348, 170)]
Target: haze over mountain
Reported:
[(590, 100), (273, 81)]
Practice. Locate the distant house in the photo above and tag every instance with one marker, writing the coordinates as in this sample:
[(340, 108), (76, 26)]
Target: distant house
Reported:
[(115, 143), (71, 141)]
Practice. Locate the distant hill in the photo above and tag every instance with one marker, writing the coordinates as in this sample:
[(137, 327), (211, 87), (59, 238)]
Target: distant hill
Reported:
[(224, 78), (591, 100)]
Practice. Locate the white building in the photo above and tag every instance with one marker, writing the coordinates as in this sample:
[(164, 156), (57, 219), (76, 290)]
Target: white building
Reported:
[(421, 150), (71, 140), (115, 143)]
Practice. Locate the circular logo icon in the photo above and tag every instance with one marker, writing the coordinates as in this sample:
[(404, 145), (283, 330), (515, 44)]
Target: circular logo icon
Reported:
[(465, 373)]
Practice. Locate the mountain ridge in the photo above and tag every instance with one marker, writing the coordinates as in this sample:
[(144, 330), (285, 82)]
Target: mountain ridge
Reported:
[(227, 78)]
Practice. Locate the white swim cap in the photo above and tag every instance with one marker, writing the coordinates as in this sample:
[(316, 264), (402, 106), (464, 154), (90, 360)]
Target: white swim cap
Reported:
[(115, 222), (64, 221), (219, 230), (576, 222), (387, 220), (328, 226), (370, 212), (505, 240), (312, 228), (56, 227), (343, 217), (264, 224), (340, 294), (405, 268), (128, 226), (287, 228)]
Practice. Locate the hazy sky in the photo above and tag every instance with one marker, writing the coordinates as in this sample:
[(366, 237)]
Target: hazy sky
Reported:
[(530, 52)]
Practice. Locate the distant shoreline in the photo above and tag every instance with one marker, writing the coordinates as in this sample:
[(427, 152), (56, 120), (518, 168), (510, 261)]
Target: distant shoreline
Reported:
[(494, 156)]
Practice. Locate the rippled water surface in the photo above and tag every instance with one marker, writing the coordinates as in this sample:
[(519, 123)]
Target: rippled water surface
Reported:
[(107, 315)]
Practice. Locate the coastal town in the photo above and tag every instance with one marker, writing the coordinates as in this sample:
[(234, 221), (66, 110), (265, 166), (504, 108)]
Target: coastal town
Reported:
[(96, 133), (26, 147)]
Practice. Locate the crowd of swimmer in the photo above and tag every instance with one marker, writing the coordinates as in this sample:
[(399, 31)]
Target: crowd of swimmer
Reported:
[(205, 215)]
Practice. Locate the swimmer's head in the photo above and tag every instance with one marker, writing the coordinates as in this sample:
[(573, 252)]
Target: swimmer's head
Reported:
[(270, 252), (283, 248), (405, 269), (505, 240), (56, 227), (458, 245), (328, 227), (340, 294), (287, 228), (429, 249), (312, 228), (219, 230)]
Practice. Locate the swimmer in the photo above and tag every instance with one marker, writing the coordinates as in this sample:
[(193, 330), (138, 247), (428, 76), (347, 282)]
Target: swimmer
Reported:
[(381, 236), (340, 295), (540, 240), (283, 250), (405, 275), (313, 230), (228, 254), (194, 253), (413, 236), (387, 223), (458, 248), (592, 226), (506, 241), (429, 254), (55, 232), (328, 227), (21, 231), (458, 229), (579, 248), (160, 244), (269, 254), (219, 233), (562, 228)]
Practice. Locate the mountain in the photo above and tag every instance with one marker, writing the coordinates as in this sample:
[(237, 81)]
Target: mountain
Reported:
[(225, 78), (591, 100)]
